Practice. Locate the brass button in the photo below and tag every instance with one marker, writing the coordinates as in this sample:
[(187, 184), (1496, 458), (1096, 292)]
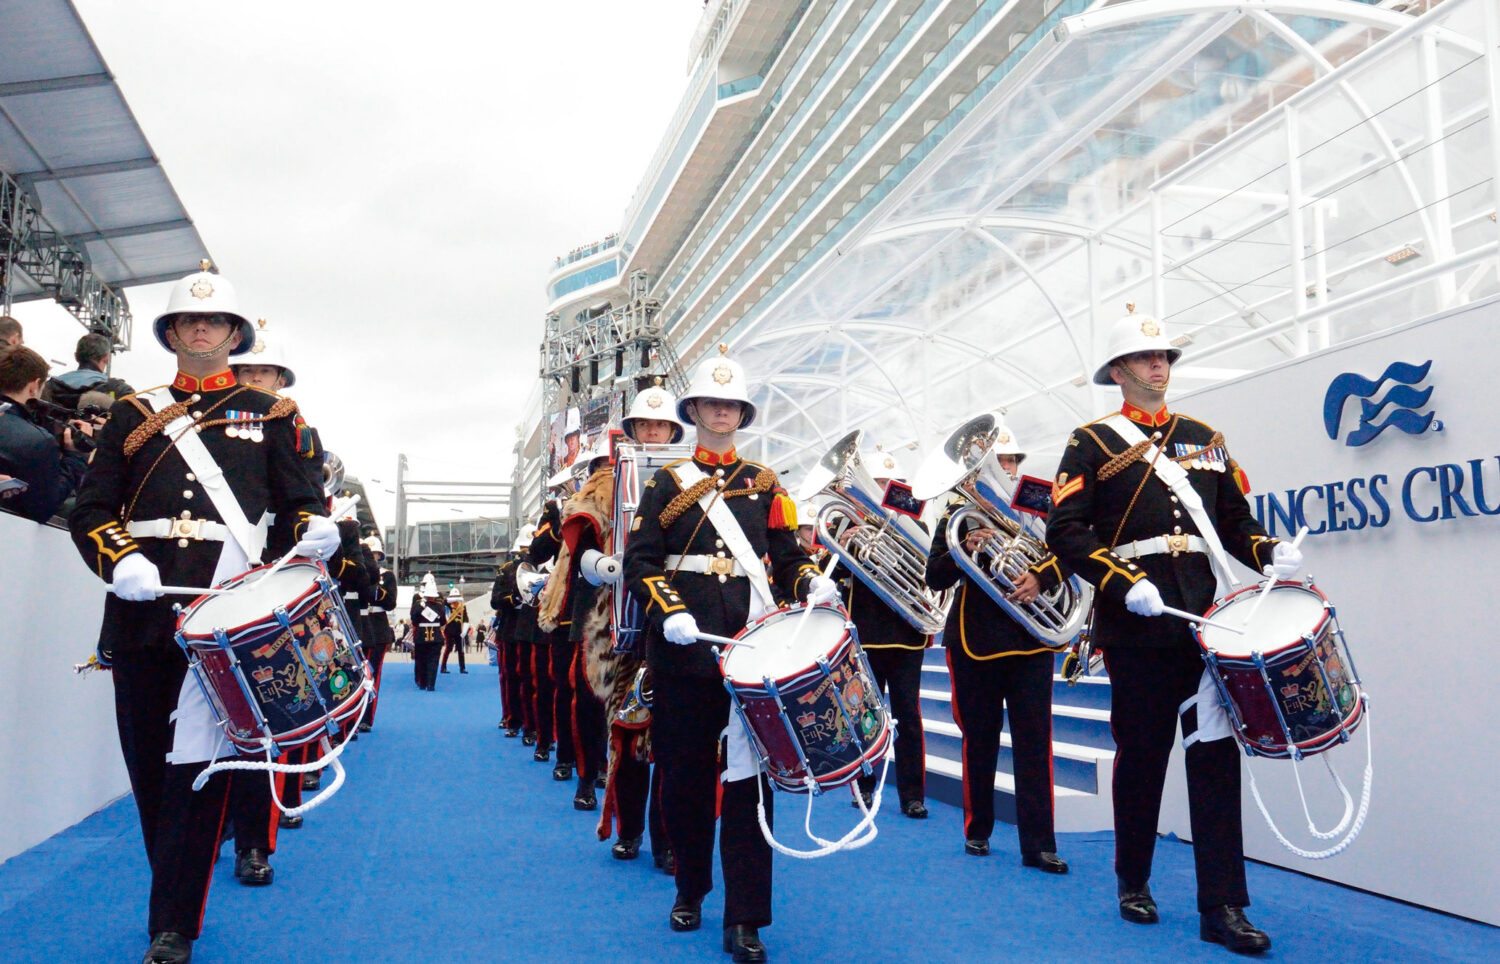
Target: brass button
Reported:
[(187, 493), (1177, 530), (720, 544), (182, 543), (191, 477), (1176, 513), (186, 514), (197, 415), (1174, 498)]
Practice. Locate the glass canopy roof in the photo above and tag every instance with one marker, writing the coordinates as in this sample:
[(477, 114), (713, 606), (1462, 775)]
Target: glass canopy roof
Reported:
[(1170, 153)]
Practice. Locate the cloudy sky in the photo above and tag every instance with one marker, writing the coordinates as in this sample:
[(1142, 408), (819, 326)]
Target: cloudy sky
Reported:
[(389, 183)]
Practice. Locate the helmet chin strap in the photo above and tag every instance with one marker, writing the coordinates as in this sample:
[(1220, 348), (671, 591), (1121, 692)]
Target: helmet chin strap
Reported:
[(206, 353), (1144, 385)]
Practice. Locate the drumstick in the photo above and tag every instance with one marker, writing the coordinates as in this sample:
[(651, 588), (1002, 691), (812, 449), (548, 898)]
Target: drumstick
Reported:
[(721, 640), (807, 607), (183, 591), (1271, 582), (1195, 618), (334, 513)]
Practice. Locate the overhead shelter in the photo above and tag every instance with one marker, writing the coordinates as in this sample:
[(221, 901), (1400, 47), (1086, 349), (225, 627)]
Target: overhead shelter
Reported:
[(87, 208), (1267, 177)]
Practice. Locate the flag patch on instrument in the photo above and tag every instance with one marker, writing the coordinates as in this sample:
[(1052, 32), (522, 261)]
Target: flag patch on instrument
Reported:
[(1215, 458), (1065, 487)]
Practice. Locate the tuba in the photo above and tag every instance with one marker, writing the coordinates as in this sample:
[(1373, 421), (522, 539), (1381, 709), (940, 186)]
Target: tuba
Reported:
[(888, 551), (966, 466)]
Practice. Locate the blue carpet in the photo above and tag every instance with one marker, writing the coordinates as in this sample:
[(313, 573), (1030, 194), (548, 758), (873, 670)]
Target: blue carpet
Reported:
[(450, 844)]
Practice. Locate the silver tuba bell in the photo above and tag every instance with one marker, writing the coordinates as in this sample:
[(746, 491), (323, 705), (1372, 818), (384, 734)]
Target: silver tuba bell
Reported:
[(966, 465), (887, 551), (333, 474)]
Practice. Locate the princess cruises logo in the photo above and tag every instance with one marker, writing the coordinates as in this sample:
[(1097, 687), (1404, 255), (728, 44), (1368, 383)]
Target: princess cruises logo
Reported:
[(1399, 405)]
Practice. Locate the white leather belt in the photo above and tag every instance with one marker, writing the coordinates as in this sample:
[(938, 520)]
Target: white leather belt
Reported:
[(366, 611), (1158, 544), (198, 530), (706, 564), (351, 595)]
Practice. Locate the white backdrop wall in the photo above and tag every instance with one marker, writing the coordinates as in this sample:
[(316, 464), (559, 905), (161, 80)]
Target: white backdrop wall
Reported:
[(59, 751), (1404, 534)]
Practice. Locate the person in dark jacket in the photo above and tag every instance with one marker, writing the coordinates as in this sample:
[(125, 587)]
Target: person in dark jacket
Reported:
[(50, 470)]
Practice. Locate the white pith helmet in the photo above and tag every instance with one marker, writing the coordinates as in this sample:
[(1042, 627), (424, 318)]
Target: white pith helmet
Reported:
[(883, 464), (1131, 334), (455, 596), (270, 350), (601, 450), (807, 514), (722, 378), (204, 293), (1006, 442), (523, 537), (655, 403), (373, 544), (429, 585)]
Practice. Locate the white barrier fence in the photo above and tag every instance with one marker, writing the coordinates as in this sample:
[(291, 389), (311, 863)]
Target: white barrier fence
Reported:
[(59, 752)]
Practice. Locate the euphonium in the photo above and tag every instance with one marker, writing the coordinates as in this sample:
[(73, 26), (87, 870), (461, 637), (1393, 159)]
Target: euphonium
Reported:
[(887, 551), (965, 465), (333, 474)]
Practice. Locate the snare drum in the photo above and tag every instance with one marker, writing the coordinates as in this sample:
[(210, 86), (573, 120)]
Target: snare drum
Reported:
[(278, 657), (1288, 683), (807, 698)]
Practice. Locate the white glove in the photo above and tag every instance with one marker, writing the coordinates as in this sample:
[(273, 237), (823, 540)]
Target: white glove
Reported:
[(1144, 599), (821, 589), (599, 569), (136, 579), (1286, 561), (321, 540), (680, 628)]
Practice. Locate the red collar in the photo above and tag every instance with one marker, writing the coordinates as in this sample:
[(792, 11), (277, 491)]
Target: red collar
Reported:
[(701, 454), (1139, 415), (210, 383)]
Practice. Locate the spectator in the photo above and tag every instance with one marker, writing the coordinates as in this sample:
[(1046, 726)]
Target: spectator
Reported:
[(27, 451), (93, 353), (10, 332)]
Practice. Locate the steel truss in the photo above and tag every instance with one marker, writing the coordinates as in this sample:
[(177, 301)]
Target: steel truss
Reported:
[(30, 245)]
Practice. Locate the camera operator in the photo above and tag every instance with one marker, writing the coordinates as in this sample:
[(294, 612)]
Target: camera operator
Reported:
[(92, 374), (51, 466)]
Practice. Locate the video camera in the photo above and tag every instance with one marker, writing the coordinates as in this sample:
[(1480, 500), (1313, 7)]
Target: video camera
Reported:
[(56, 418)]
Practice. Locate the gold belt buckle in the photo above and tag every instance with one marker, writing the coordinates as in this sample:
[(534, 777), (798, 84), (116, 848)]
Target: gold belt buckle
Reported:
[(1177, 542), (187, 529), (721, 566)]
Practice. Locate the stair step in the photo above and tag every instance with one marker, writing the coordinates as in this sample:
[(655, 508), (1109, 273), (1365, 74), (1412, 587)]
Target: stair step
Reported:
[(1073, 765)]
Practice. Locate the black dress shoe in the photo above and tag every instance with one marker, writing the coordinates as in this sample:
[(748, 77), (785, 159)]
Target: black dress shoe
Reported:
[(463, 672), (869, 799), (1227, 925), (977, 848), (511, 733), (1045, 861), (585, 800), (599, 783), (563, 771), (366, 727), (311, 781), (443, 671), (528, 739), (169, 947), (626, 848), (252, 869), (286, 822), (915, 809), (669, 864), (744, 943), (687, 915), (542, 754), (1137, 906)]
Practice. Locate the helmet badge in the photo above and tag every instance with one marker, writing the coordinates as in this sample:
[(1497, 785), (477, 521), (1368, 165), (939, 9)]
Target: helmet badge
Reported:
[(202, 288), (1003, 438), (653, 400), (1150, 328), (723, 374)]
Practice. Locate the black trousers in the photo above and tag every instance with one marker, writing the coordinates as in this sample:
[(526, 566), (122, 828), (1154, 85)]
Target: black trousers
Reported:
[(425, 656), (686, 719), (899, 673), (983, 690), (541, 676), (520, 687), (590, 730), (375, 653), (180, 826), (1147, 686), (453, 641), (638, 797), (251, 811), (560, 668)]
